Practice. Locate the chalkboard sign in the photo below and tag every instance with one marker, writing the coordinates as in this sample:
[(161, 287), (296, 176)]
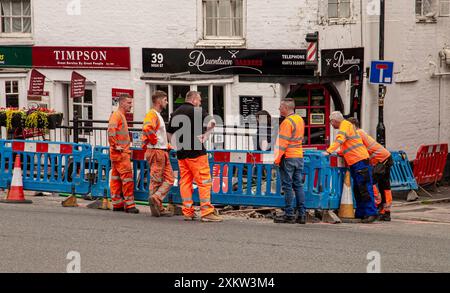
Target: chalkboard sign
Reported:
[(248, 107)]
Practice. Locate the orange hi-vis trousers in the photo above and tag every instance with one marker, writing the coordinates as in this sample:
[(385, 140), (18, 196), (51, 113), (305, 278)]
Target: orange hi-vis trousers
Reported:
[(383, 201), (195, 170), (122, 183), (161, 173)]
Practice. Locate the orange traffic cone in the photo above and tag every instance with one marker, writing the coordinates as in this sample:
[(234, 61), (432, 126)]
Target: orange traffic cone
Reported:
[(15, 192), (346, 209)]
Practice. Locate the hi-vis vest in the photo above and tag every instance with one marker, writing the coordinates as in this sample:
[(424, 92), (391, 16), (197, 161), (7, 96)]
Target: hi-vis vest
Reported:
[(352, 146), (290, 137), (118, 135), (154, 133), (377, 153)]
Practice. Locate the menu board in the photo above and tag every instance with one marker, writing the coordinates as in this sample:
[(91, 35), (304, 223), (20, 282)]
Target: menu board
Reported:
[(248, 107)]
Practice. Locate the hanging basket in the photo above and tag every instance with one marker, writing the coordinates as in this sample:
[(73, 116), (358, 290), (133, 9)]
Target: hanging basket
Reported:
[(3, 119), (36, 120), (17, 120), (54, 120)]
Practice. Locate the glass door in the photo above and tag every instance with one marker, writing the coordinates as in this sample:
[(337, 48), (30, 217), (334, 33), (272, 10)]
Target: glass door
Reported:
[(313, 104)]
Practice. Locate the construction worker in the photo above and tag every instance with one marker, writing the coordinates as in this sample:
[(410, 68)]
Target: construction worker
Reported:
[(381, 160), (357, 157), (120, 155), (154, 139), (189, 134), (289, 157)]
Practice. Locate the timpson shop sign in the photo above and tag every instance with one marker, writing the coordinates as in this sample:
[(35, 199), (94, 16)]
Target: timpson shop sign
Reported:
[(101, 58), (219, 61)]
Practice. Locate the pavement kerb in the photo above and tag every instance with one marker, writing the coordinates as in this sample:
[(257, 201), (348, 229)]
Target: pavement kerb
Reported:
[(423, 202)]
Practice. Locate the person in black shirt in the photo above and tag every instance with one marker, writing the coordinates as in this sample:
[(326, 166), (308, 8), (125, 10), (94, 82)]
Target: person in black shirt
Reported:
[(189, 128)]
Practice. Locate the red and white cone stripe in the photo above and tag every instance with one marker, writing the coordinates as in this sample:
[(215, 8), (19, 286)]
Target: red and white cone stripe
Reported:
[(17, 181), (311, 52), (243, 157), (42, 147)]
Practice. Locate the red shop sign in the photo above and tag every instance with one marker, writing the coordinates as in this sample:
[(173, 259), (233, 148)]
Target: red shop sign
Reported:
[(115, 102), (77, 85), (37, 82), (105, 58)]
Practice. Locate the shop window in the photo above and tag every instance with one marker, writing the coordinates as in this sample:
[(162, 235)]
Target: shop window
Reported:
[(204, 90), (12, 93), (15, 17), (165, 112), (218, 102), (84, 109), (339, 9), (223, 18), (212, 98), (179, 95)]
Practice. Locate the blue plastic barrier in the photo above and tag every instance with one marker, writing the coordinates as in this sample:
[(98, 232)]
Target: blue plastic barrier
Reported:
[(248, 183), (101, 166), (67, 167), (47, 166), (402, 176)]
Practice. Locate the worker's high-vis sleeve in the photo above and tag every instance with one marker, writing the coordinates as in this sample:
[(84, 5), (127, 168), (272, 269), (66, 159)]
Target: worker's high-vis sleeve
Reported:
[(282, 141), (151, 126), (340, 138), (113, 127)]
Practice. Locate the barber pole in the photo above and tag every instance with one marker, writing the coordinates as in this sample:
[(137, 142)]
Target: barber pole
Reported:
[(311, 55), (313, 47)]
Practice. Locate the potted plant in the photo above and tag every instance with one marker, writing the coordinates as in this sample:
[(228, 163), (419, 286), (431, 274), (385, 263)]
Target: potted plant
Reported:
[(36, 118), (54, 119), (15, 118), (2, 117)]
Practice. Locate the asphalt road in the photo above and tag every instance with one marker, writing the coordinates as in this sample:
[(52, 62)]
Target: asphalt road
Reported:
[(38, 237)]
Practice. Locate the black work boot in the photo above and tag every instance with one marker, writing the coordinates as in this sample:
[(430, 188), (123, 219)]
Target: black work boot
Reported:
[(284, 220), (132, 210), (385, 217), (121, 209), (369, 219), (301, 219)]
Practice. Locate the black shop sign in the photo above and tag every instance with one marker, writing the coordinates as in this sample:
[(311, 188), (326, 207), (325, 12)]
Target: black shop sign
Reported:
[(342, 62), (248, 107), (219, 61)]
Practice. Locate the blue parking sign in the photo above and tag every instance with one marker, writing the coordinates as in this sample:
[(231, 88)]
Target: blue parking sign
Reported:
[(381, 72)]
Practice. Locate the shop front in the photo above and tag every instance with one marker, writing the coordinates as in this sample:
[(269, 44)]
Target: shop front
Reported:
[(226, 78), (15, 63), (216, 73)]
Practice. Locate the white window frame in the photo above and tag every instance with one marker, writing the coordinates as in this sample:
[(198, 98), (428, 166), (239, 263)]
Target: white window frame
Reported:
[(219, 41), (19, 35), (12, 92), (338, 5), (443, 13), (421, 17), (151, 87), (72, 104), (21, 78)]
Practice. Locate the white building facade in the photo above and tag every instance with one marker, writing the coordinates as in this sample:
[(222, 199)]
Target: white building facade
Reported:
[(140, 33)]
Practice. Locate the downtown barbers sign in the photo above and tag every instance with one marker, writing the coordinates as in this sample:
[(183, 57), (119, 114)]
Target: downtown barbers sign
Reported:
[(226, 61), (342, 62)]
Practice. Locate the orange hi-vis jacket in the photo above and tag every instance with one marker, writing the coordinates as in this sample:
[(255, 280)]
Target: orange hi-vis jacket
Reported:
[(290, 137), (351, 144), (154, 131), (377, 153), (118, 135)]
